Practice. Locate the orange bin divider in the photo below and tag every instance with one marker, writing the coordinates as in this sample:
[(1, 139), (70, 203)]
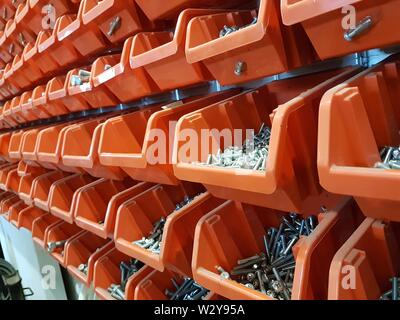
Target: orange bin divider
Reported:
[(107, 271), (322, 20), (261, 47), (63, 195), (122, 13), (57, 91), (96, 97), (28, 216), (80, 149), (114, 72), (49, 145), (41, 226), (61, 232), (136, 218), (162, 55), (372, 256), (100, 199), (137, 158), (85, 249), (234, 231), (41, 188), (290, 180), (89, 221), (155, 10), (356, 119), (178, 234), (15, 210)]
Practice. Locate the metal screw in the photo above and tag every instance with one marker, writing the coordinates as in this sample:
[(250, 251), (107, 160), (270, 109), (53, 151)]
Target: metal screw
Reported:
[(51, 246), (240, 67), (364, 25), (115, 24)]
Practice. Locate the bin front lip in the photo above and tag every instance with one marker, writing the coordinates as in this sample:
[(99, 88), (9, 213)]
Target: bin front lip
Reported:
[(68, 30), (306, 9), (92, 14), (170, 48), (22, 12), (17, 64), (10, 27), (45, 44)]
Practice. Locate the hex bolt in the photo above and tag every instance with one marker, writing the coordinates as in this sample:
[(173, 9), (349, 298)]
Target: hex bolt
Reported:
[(51, 246), (363, 26), (240, 67), (224, 274), (395, 289), (115, 24)]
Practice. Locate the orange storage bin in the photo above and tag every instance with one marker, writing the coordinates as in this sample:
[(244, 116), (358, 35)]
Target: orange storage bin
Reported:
[(49, 145), (41, 226), (135, 280), (290, 180), (178, 234), (323, 22), (27, 186), (96, 97), (27, 68), (28, 216), (107, 271), (42, 60), (133, 151), (115, 73), (261, 47), (80, 149), (62, 232), (144, 210), (86, 38), (63, 195), (162, 55), (90, 221), (28, 111), (15, 210), (235, 231), (97, 199), (15, 110), (5, 139), (63, 52), (12, 86), (155, 10), (372, 256), (85, 249), (13, 180), (117, 19), (356, 119), (18, 31), (7, 114), (5, 89), (4, 171), (14, 148), (57, 90), (7, 203), (18, 73), (41, 189), (42, 103)]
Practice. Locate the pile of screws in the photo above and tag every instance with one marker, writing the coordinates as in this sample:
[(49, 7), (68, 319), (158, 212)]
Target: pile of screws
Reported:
[(392, 294), (272, 272), (228, 30), (153, 241), (128, 269), (390, 158), (52, 246), (82, 77), (83, 268), (189, 290), (251, 156)]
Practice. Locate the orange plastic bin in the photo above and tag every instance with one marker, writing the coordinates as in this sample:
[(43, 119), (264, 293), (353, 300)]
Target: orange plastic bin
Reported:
[(356, 119), (41, 226), (15, 210), (290, 179), (28, 216), (371, 257)]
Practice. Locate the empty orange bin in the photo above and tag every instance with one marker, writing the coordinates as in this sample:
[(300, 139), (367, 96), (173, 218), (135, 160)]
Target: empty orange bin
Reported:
[(57, 90), (5, 139), (7, 203), (43, 104), (356, 120), (82, 253), (15, 210), (14, 148), (96, 97), (4, 171), (19, 75), (8, 115), (41, 188), (289, 180), (26, 186), (13, 180), (11, 85), (162, 55), (26, 66), (117, 19), (235, 231), (178, 234), (90, 221), (371, 257), (323, 22), (115, 73), (107, 272), (28, 216), (63, 195), (42, 60), (80, 149), (239, 46), (137, 151), (63, 233), (41, 226), (27, 111), (15, 110)]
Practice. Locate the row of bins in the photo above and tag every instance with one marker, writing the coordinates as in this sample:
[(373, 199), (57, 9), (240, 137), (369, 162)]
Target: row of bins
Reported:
[(204, 234), (260, 44), (305, 162)]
